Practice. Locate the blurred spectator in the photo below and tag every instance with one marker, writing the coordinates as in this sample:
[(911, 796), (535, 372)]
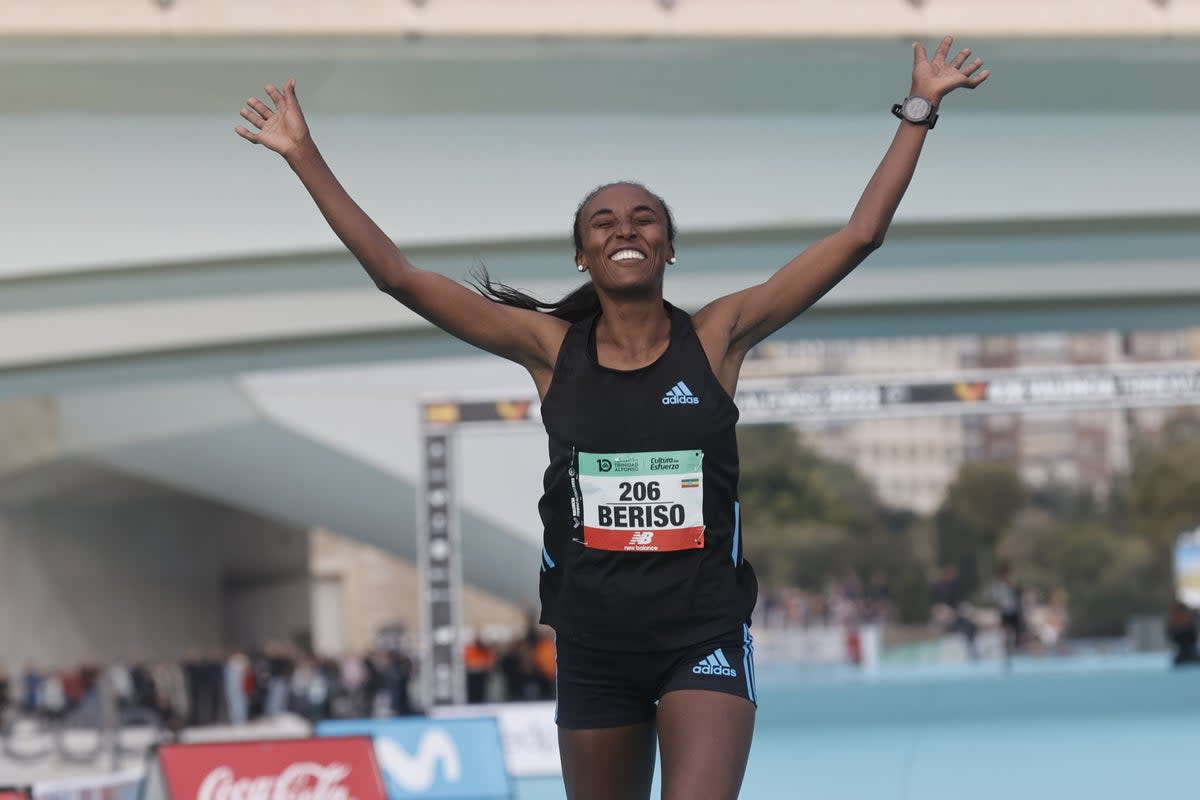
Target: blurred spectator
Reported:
[(353, 679), (950, 612), (120, 683), (72, 687), (170, 683), (1006, 595), (31, 689), (376, 665), (958, 621), (545, 661), (521, 680), (144, 691), (878, 599), (1181, 630), (279, 669), (5, 689), (1051, 619), (947, 589), (399, 673), (205, 677), (52, 695), (192, 680), (480, 660), (239, 685), (310, 689)]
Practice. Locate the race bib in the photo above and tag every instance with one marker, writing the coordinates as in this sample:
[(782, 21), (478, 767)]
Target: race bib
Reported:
[(642, 502)]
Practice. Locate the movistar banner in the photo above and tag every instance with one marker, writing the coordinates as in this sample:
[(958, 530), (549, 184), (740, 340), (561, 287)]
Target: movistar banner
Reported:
[(452, 759)]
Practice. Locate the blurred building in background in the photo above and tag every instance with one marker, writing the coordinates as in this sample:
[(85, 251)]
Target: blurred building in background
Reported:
[(911, 461)]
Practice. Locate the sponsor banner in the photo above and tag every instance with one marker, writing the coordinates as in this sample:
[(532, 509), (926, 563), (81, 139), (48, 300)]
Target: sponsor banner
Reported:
[(13, 793), (1118, 385), (527, 730), (995, 391), (452, 759), (522, 409), (1187, 568), (293, 769), (124, 785)]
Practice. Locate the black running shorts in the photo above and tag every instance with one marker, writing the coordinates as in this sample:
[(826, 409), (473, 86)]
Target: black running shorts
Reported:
[(606, 689)]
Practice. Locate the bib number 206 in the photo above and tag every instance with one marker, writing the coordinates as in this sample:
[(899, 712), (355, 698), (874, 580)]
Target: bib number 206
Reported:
[(637, 491)]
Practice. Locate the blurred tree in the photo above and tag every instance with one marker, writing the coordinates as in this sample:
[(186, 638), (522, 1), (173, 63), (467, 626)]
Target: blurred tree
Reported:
[(1107, 576), (979, 506), (1164, 485), (785, 480), (1065, 502), (809, 517)]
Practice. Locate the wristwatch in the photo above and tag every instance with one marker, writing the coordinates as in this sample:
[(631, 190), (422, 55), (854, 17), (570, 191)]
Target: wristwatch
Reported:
[(917, 110)]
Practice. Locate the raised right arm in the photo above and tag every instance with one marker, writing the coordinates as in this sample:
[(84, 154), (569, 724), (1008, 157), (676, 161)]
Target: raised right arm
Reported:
[(530, 338)]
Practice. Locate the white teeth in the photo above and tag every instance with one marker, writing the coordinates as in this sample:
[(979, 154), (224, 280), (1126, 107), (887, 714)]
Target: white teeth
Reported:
[(627, 255)]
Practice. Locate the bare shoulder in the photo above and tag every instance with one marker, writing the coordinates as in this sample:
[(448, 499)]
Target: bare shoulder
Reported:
[(548, 332), (715, 324)]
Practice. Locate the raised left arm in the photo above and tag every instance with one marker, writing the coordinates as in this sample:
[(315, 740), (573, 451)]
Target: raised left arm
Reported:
[(745, 318)]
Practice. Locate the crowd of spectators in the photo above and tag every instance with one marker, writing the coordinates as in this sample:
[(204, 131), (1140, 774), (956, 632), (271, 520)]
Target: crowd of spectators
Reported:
[(523, 669), (845, 601), (1028, 621), (237, 686)]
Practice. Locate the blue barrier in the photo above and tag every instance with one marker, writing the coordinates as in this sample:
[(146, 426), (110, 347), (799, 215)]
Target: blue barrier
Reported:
[(459, 759)]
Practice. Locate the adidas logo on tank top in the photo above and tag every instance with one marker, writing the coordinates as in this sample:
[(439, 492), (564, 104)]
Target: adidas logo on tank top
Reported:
[(715, 663), (680, 394)]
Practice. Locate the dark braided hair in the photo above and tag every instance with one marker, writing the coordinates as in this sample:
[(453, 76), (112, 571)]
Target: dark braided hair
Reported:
[(582, 302)]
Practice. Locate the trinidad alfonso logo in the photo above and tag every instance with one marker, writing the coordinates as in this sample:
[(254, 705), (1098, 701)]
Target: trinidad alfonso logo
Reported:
[(715, 663), (680, 395)]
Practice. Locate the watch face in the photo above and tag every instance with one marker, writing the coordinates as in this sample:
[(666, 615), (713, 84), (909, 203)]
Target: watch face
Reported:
[(916, 109)]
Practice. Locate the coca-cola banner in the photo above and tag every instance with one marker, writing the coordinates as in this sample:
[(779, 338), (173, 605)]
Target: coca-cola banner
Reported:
[(294, 769), (451, 759)]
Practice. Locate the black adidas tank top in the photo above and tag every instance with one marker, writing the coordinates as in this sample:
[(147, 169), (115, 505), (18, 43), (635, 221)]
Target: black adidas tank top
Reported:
[(642, 526)]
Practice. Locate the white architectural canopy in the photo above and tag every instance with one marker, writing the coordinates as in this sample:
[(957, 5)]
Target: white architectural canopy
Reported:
[(176, 295)]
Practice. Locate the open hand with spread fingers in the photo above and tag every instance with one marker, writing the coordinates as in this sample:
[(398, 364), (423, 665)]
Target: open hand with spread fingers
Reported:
[(281, 129), (934, 78)]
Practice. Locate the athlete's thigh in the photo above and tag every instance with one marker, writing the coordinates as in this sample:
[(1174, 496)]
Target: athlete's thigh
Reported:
[(704, 737), (608, 763)]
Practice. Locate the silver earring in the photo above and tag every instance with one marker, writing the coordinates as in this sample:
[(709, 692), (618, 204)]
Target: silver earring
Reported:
[(581, 267), (671, 260)]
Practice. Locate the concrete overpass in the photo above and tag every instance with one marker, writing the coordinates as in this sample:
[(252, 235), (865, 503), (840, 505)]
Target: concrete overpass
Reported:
[(173, 296)]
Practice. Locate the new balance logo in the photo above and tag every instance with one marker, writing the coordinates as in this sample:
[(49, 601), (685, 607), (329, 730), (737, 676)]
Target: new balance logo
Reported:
[(680, 394), (715, 664), (642, 538)]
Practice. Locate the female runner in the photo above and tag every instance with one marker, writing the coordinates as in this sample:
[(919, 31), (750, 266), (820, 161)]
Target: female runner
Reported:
[(642, 575)]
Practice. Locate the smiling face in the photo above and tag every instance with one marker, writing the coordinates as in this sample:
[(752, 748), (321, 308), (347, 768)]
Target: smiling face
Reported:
[(624, 238)]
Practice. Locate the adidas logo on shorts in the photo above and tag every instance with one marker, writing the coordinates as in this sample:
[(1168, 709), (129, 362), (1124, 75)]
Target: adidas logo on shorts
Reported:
[(680, 394), (715, 663)]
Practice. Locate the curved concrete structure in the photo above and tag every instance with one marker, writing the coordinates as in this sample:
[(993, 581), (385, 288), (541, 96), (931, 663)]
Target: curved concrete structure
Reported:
[(157, 273)]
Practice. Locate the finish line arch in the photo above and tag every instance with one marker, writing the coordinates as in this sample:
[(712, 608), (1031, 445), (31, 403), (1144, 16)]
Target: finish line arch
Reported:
[(786, 399)]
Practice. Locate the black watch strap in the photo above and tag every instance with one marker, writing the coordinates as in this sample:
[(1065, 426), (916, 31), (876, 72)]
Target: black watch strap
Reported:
[(898, 113)]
